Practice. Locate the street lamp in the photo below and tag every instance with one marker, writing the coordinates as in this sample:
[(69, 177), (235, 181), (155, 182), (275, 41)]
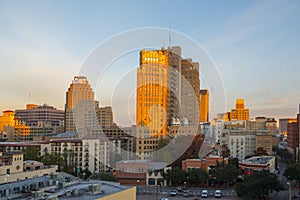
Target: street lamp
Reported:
[(290, 190)]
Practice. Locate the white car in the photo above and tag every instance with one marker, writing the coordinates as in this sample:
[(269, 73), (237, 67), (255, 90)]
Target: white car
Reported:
[(204, 194), (218, 194), (173, 193)]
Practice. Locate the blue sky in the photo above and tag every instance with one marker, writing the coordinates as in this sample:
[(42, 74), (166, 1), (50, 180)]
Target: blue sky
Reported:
[(255, 44)]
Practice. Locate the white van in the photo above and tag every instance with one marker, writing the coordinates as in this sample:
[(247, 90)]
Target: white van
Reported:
[(218, 194), (204, 194)]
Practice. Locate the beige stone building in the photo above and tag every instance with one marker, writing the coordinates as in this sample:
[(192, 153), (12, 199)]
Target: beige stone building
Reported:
[(13, 168)]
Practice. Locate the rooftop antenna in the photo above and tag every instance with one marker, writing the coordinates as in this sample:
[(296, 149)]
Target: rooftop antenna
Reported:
[(169, 33), (29, 97)]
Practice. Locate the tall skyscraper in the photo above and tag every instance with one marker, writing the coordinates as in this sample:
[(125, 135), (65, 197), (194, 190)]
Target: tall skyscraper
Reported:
[(190, 86), (167, 92), (240, 112), (79, 89), (157, 88), (204, 105)]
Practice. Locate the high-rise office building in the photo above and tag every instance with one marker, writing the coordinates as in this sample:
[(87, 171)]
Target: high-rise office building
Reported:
[(156, 88), (240, 112), (80, 89), (158, 95), (167, 95), (190, 86), (204, 105), (104, 115)]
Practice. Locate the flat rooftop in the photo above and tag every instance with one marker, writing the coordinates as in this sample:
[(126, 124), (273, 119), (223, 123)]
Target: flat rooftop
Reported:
[(63, 186), (258, 160)]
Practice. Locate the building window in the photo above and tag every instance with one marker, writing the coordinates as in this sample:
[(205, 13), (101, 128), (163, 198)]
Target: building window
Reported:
[(160, 181), (151, 181)]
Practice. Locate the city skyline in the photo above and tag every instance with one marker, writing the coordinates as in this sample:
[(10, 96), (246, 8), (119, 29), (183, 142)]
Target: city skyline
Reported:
[(254, 47)]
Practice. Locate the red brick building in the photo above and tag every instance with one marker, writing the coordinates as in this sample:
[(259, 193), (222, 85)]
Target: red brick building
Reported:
[(293, 137), (202, 163), (140, 172)]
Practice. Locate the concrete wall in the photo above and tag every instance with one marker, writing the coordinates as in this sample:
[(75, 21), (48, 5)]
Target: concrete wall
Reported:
[(26, 175)]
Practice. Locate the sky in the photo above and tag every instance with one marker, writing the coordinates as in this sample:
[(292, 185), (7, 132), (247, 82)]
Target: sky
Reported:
[(255, 46)]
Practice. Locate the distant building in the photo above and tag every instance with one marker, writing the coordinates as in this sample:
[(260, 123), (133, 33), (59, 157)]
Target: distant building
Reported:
[(293, 138), (283, 125), (18, 131), (80, 89), (223, 116), (42, 119), (13, 168), (243, 142), (190, 87), (240, 112), (258, 164), (104, 116), (204, 106)]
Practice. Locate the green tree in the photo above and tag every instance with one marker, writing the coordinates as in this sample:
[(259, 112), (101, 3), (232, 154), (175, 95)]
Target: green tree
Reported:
[(224, 172), (175, 176), (31, 153), (225, 151), (85, 174), (258, 185), (292, 172), (54, 159), (69, 164), (197, 176), (107, 177)]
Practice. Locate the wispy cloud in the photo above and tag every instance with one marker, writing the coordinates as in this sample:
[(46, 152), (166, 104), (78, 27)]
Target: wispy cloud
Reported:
[(260, 16)]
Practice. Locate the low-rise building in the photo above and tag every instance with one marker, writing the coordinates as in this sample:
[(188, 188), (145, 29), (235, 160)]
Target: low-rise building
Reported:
[(13, 168), (204, 163), (258, 164), (64, 186), (141, 172)]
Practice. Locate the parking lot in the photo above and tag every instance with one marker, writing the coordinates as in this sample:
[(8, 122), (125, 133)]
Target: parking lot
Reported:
[(145, 194)]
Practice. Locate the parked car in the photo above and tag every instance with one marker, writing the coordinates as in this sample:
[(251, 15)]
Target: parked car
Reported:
[(218, 193), (173, 193), (164, 199), (186, 194), (179, 189), (204, 194)]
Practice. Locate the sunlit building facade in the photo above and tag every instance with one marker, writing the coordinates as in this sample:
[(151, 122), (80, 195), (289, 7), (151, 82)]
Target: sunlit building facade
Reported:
[(240, 112), (18, 129), (158, 95), (204, 106)]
